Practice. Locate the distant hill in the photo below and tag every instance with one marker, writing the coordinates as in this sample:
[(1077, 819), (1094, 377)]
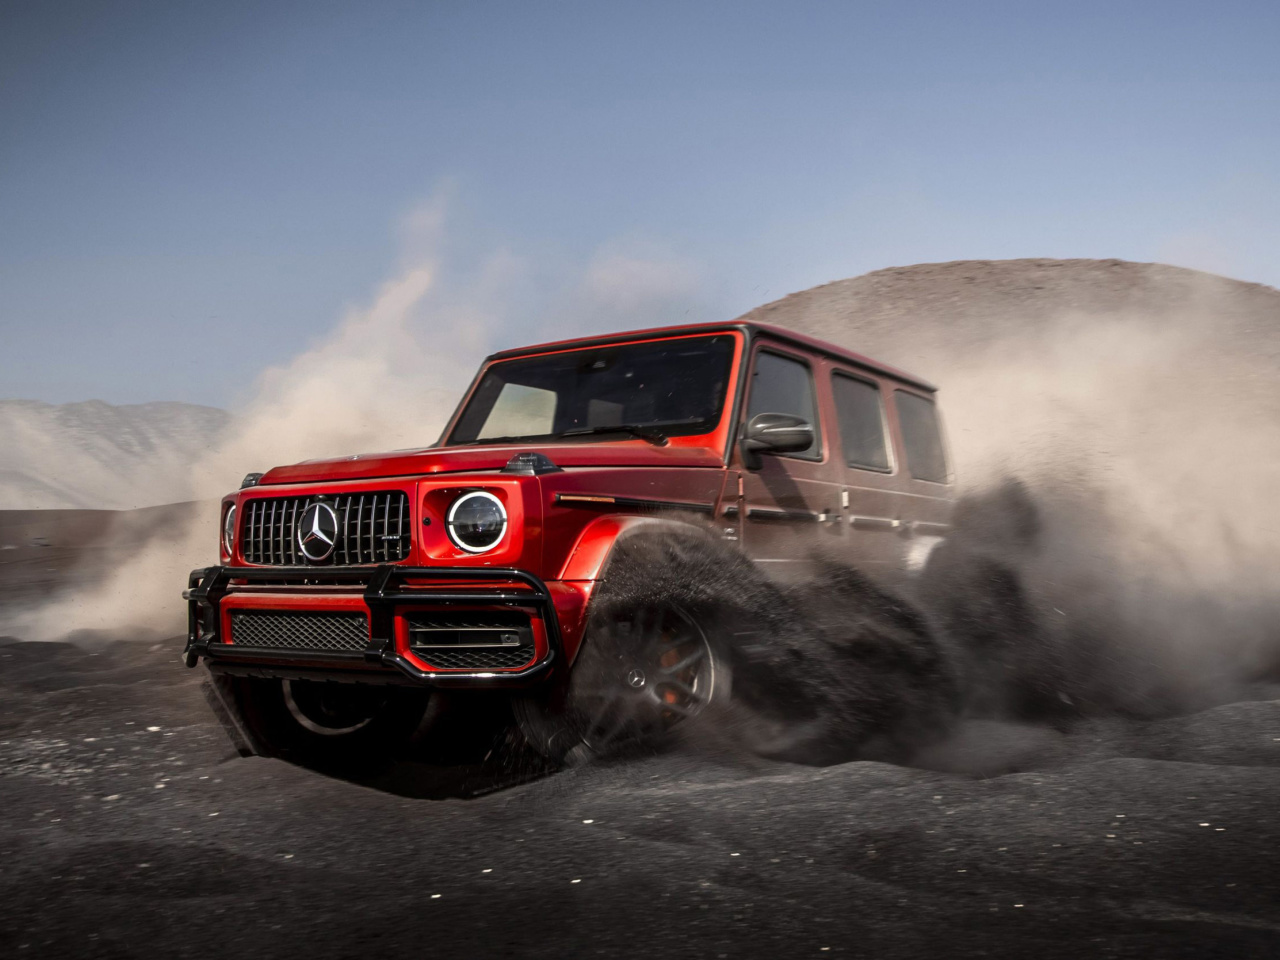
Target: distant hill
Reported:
[(1158, 377), (97, 456), (929, 316)]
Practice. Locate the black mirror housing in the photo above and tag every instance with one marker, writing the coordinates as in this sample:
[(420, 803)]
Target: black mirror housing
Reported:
[(774, 433)]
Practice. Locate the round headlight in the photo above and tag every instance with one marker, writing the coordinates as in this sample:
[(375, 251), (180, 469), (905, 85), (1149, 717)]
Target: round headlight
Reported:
[(229, 530), (476, 521)]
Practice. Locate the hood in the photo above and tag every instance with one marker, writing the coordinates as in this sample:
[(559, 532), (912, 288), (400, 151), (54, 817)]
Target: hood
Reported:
[(473, 459)]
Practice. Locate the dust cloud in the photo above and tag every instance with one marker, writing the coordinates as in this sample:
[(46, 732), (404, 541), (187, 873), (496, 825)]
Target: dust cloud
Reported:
[(385, 378), (1114, 431), (1146, 455)]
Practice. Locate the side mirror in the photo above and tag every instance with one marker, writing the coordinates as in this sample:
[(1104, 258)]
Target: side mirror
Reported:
[(774, 433)]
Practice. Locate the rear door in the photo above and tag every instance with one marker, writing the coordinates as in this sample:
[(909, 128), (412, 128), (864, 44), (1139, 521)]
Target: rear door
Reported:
[(926, 470), (791, 505), (872, 490)]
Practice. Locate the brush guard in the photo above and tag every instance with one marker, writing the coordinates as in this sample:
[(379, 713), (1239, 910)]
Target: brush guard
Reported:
[(385, 587)]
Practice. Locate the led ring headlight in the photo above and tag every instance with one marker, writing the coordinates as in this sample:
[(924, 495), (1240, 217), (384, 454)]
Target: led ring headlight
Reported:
[(477, 521), (229, 530)]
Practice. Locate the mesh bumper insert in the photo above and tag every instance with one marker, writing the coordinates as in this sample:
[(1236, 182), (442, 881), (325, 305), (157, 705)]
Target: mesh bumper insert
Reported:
[(325, 632), (476, 659)]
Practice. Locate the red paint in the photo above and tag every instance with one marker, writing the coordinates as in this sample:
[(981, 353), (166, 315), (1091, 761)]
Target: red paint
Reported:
[(563, 525)]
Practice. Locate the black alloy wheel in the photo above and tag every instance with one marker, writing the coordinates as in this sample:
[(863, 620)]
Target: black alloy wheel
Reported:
[(639, 675), (333, 710), (328, 725)]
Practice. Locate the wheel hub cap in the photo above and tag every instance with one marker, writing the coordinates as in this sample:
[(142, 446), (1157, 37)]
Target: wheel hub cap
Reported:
[(636, 679)]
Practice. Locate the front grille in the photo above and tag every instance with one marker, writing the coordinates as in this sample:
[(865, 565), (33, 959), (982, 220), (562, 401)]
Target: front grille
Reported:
[(372, 528), (476, 659), (332, 632)]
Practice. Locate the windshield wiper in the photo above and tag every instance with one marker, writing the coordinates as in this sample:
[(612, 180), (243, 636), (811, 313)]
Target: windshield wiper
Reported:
[(496, 441), (643, 431)]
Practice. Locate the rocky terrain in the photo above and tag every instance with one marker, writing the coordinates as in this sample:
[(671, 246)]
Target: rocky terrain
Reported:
[(132, 830)]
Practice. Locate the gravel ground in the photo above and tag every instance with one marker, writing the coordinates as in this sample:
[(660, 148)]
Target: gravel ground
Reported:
[(131, 829)]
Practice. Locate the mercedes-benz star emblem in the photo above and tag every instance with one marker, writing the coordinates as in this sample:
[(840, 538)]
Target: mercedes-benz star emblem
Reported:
[(318, 532)]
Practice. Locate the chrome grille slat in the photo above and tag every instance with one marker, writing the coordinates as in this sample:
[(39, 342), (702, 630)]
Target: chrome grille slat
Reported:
[(365, 531), (262, 512), (293, 530), (386, 525), (346, 531), (271, 534), (278, 530), (359, 527), (400, 525)]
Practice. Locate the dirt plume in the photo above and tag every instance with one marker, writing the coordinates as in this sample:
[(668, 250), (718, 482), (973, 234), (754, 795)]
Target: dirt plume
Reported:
[(824, 671), (380, 380), (1113, 429)]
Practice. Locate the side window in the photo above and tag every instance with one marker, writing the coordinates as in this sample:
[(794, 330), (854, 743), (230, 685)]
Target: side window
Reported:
[(861, 421), (921, 437), (785, 385)]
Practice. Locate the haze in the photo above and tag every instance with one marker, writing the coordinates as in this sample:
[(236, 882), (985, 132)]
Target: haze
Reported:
[(190, 193)]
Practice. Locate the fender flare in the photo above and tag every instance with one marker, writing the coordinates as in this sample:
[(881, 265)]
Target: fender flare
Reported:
[(590, 555)]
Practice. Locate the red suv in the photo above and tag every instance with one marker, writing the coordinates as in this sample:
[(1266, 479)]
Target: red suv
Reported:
[(350, 589)]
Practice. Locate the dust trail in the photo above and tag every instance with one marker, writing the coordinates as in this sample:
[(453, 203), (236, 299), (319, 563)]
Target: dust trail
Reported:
[(386, 378), (1147, 459), (835, 668), (1113, 427)]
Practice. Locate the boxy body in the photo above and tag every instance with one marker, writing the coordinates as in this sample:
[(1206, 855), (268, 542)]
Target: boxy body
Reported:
[(357, 569)]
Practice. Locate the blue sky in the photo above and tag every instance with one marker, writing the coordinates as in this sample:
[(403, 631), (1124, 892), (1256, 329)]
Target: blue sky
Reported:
[(192, 192)]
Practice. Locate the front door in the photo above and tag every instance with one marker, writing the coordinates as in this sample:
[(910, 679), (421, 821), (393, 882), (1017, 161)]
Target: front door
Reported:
[(791, 504)]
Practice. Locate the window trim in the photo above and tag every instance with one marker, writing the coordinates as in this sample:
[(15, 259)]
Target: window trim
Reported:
[(820, 433), (886, 429), (942, 438)]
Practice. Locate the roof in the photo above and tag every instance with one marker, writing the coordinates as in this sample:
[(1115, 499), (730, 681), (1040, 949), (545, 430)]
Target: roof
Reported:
[(752, 330)]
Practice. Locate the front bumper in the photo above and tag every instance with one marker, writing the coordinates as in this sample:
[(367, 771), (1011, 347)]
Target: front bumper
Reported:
[(384, 591)]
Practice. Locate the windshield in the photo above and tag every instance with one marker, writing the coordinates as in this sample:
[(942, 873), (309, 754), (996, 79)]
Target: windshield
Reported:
[(652, 390)]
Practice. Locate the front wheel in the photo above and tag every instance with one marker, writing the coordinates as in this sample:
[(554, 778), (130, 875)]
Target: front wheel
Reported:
[(641, 674), (325, 724)]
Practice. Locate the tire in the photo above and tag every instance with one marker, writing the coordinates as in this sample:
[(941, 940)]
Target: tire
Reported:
[(645, 671), (340, 727)]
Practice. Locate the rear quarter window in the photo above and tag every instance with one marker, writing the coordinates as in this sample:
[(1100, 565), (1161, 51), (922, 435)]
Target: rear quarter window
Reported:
[(921, 437)]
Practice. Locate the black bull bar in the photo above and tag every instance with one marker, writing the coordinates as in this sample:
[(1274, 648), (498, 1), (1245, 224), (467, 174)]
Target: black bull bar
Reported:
[(384, 588)]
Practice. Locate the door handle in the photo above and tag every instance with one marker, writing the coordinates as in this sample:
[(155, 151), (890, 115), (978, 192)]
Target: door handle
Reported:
[(875, 523)]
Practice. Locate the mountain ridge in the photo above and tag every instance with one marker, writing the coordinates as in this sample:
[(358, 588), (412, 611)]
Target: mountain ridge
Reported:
[(95, 455)]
